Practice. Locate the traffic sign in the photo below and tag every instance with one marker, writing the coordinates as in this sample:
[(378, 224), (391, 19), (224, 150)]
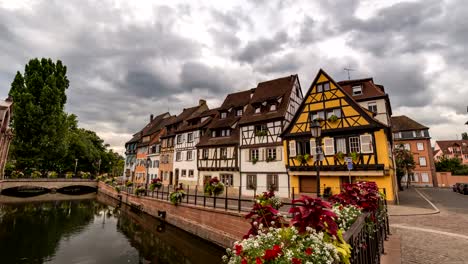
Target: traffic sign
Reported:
[(349, 163)]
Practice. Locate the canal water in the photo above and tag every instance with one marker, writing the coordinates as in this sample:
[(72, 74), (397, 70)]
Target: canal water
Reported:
[(94, 231)]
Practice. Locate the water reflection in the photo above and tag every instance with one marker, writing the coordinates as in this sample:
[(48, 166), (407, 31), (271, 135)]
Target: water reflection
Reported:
[(93, 231)]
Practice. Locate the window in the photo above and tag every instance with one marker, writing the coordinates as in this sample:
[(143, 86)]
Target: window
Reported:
[(397, 135), (223, 114), (329, 146), (156, 164), (260, 129), (227, 179), (158, 149), (165, 175), (336, 112), (225, 132), (318, 115), (257, 109), (415, 177), (357, 90), (205, 154), (190, 137), (372, 106), (420, 146), (223, 152), (273, 107), (239, 112), (366, 144), (189, 155), (184, 173), (272, 182), (424, 177), (179, 139), (178, 156), (190, 173), (271, 153), (213, 133), (303, 147), (321, 87), (417, 133), (354, 145), (251, 182), (407, 146), (422, 161), (340, 145), (254, 154)]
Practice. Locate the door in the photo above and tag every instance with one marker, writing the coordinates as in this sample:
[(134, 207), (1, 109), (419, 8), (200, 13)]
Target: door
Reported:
[(170, 178), (308, 184), (176, 182)]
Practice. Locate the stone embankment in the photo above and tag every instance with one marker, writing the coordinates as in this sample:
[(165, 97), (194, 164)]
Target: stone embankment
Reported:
[(216, 225)]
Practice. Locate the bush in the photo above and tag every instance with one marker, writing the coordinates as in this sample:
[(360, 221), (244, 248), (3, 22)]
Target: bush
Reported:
[(85, 175), (177, 196), (69, 175), (53, 174), (16, 174), (36, 174)]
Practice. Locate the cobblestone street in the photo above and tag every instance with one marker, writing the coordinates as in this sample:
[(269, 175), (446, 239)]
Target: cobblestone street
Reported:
[(433, 238)]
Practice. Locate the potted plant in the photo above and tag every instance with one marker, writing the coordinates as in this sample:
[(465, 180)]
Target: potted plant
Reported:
[(69, 175), (268, 159), (36, 174), (355, 156), (129, 184), (177, 196), (140, 190), (332, 119), (254, 160), (52, 174), (306, 157), (261, 133), (17, 174), (86, 175), (300, 158), (214, 187), (340, 156), (155, 184), (117, 189)]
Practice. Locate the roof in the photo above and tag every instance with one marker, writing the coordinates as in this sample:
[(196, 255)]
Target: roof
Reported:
[(186, 114), (237, 99), (270, 91), (369, 89), (210, 114), (404, 123), (445, 144), (207, 140), (156, 124)]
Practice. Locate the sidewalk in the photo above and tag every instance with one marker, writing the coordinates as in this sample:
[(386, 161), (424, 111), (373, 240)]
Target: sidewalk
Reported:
[(392, 254), (412, 202)]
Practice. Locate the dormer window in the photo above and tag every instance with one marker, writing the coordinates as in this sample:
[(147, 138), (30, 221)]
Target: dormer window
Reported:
[(213, 133), (357, 90), (225, 132), (321, 87), (223, 114), (273, 107), (239, 112), (257, 110)]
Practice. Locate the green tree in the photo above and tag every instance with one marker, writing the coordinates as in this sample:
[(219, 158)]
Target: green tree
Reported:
[(464, 136), (40, 123), (404, 164), (453, 165)]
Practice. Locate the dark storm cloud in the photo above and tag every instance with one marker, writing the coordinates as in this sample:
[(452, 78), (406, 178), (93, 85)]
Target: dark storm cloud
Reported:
[(288, 64), (262, 47), (199, 76)]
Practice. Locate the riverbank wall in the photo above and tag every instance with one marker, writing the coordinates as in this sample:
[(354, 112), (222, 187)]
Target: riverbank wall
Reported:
[(222, 227)]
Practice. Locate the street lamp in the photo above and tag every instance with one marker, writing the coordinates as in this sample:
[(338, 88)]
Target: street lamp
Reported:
[(148, 162), (76, 164), (316, 131)]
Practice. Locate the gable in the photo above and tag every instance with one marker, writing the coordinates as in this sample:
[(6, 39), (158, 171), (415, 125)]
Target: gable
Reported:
[(324, 99)]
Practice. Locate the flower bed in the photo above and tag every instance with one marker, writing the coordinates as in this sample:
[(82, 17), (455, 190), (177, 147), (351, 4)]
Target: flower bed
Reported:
[(314, 234), (155, 184)]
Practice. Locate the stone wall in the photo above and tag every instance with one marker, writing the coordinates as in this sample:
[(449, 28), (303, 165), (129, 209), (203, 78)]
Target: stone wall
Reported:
[(216, 225), (446, 179)]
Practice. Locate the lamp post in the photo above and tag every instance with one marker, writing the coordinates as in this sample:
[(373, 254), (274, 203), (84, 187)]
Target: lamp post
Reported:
[(316, 131), (148, 162), (76, 164)]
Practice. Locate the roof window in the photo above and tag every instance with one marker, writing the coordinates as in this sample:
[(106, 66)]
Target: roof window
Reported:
[(357, 90)]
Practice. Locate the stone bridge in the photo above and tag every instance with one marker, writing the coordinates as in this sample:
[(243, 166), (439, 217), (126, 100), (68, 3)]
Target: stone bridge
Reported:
[(51, 184)]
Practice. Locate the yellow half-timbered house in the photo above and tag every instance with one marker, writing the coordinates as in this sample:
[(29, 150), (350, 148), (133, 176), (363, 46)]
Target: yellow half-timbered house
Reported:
[(349, 133)]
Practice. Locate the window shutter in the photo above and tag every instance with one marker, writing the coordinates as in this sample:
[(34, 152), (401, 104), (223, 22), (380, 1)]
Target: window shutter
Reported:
[(329, 146), (292, 148), (366, 144), (262, 154), (313, 147), (279, 153), (246, 154)]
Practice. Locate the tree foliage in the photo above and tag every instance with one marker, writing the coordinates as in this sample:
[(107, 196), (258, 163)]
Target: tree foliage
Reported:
[(46, 138), (404, 163), (464, 136), (453, 165)]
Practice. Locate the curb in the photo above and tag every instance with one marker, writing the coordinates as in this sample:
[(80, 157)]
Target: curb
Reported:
[(436, 210)]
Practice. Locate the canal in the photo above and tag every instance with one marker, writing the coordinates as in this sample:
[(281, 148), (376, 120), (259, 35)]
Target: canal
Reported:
[(93, 230)]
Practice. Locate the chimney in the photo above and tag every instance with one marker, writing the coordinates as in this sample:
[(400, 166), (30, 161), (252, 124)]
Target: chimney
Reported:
[(201, 102), (151, 118)]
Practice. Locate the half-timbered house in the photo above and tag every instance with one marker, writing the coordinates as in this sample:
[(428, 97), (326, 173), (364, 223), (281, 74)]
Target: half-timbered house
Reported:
[(154, 146), (217, 151), (130, 156), (348, 131), (271, 109)]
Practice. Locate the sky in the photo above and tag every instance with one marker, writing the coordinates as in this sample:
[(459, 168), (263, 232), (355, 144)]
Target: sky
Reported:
[(129, 59)]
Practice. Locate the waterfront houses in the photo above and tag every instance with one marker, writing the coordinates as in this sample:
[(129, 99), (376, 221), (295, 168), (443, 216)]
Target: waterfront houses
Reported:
[(452, 149), (154, 145), (5, 132), (415, 138), (187, 137), (348, 131), (168, 157), (217, 151), (130, 157), (271, 108)]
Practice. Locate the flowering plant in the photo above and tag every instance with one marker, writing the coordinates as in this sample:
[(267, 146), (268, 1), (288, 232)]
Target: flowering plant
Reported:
[(264, 213), (140, 190), (36, 174), (177, 195), (346, 215), (155, 183), (214, 187), (314, 213), (129, 184), (269, 198), (283, 245), (364, 195)]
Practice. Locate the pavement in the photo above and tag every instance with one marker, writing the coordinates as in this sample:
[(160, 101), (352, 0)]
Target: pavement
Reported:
[(430, 226)]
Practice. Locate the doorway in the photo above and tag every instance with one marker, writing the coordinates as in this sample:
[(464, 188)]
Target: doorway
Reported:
[(307, 184), (170, 177), (176, 177)]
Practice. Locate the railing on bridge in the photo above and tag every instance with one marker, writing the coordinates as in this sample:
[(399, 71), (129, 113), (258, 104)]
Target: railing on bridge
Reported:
[(366, 239)]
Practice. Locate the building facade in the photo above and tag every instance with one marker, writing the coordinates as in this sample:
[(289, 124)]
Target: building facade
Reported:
[(452, 149), (270, 110), (5, 132), (154, 146), (415, 137), (348, 130)]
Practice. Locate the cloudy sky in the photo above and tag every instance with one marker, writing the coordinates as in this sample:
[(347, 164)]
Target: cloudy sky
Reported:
[(127, 59)]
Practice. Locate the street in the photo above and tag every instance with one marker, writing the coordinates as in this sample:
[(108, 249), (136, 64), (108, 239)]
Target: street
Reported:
[(433, 237)]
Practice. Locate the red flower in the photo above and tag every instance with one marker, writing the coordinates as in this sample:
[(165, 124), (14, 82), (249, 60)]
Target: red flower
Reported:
[(238, 249), (271, 254), (309, 251), (296, 261), (258, 261), (244, 261)]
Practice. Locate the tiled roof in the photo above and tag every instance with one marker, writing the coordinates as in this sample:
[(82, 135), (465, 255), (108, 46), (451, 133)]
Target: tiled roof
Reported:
[(237, 99), (404, 123), (210, 114), (369, 89), (181, 119), (269, 91), (207, 140), (445, 144), (156, 124)]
